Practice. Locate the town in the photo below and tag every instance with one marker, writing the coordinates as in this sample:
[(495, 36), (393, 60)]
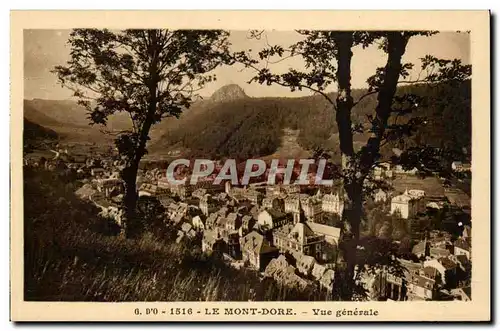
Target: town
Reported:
[(291, 233)]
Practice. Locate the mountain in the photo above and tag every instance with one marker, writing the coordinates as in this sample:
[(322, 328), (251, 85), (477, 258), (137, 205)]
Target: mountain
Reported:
[(231, 124), (252, 127), (70, 120), (228, 93), (33, 131)]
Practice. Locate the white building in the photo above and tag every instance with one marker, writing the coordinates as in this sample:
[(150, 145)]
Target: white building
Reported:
[(332, 203), (407, 204), (460, 167), (380, 196)]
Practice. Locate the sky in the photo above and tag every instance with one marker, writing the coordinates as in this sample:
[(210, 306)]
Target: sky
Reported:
[(44, 49)]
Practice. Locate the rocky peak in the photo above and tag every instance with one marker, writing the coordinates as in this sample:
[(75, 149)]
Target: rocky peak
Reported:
[(228, 93)]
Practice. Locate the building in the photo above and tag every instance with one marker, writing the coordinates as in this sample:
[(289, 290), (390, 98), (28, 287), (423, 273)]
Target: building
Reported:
[(458, 166), (148, 190), (211, 221), (247, 224), (462, 247), (380, 196), (198, 223), (212, 242), (332, 203), (299, 237), (273, 203), (233, 222), (331, 234), (207, 205), (182, 190), (257, 251), (446, 268), (111, 186), (399, 170), (383, 170), (420, 288), (462, 294), (407, 205), (270, 219), (233, 245), (97, 172), (313, 209)]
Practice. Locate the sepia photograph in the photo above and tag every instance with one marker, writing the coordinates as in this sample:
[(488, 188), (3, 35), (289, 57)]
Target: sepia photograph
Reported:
[(295, 173)]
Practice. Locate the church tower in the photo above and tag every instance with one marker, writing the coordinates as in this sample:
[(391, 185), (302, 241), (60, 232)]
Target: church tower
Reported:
[(298, 214)]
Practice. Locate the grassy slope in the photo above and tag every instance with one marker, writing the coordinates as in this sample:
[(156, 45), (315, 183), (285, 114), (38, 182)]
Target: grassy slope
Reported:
[(69, 258)]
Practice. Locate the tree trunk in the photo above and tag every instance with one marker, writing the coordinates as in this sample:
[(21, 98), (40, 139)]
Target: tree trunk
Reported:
[(351, 215), (396, 46), (131, 225)]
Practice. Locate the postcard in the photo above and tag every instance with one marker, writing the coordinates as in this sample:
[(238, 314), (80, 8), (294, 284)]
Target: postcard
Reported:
[(250, 166)]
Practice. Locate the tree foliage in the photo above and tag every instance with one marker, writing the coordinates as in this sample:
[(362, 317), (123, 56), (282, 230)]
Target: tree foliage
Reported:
[(148, 74), (327, 56)]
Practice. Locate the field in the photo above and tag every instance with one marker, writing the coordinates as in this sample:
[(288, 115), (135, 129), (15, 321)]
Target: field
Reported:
[(431, 185)]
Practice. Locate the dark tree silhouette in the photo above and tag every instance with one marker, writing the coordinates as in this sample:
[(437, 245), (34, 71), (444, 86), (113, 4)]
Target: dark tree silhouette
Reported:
[(327, 56), (149, 74)]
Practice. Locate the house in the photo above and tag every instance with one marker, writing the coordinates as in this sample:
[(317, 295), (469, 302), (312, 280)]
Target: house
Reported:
[(304, 263), (110, 186), (318, 270), (437, 252), (327, 279), (331, 234), (284, 273), (467, 232), (97, 172), (462, 294), (458, 166), (148, 190), (247, 224), (420, 288), (332, 203), (446, 268), (462, 247), (380, 196), (186, 227), (398, 169), (462, 261), (199, 193), (220, 226), (273, 203), (198, 223), (233, 222), (223, 212), (211, 221), (407, 205), (178, 218), (85, 192), (299, 237), (233, 245), (182, 190), (207, 204), (212, 242), (313, 207), (257, 251), (253, 196), (270, 219), (421, 249), (429, 272)]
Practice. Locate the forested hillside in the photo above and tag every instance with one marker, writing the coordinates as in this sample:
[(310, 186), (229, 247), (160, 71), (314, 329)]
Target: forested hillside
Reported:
[(232, 124), (249, 127)]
